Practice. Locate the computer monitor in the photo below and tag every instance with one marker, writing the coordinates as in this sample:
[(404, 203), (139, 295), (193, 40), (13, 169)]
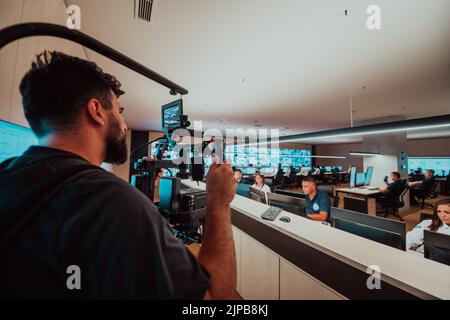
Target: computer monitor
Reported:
[(171, 115), (290, 204), (352, 177), (360, 179), (243, 190), (258, 195), (437, 246), (389, 232), (14, 140), (369, 173), (300, 195), (168, 186)]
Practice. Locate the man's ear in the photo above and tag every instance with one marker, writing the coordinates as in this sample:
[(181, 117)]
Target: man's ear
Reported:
[(96, 112)]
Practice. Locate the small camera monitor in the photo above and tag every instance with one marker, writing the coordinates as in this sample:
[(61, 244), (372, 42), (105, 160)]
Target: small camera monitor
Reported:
[(171, 115)]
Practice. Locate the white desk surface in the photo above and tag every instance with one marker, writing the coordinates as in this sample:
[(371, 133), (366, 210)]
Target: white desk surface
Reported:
[(409, 271), (340, 172), (361, 191)]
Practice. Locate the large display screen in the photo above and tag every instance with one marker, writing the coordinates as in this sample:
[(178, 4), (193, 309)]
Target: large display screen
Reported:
[(267, 158), (441, 165)]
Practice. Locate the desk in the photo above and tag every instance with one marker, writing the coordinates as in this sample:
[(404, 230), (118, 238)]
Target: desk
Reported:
[(365, 194), (304, 259)]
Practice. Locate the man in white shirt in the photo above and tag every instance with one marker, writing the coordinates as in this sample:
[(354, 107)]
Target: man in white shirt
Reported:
[(304, 171)]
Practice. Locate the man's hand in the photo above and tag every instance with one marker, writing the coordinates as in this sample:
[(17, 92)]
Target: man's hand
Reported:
[(217, 255), (220, 185)]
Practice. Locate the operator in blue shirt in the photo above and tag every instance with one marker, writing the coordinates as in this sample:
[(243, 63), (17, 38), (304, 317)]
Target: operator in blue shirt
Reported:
[(317, 201)]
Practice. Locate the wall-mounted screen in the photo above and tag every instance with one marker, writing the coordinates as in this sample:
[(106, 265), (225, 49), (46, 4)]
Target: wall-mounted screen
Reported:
[(441, 165), (14, 140)]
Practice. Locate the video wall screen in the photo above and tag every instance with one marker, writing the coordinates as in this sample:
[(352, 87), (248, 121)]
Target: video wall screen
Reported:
[(440, 165), (266, 159), (14, 140)]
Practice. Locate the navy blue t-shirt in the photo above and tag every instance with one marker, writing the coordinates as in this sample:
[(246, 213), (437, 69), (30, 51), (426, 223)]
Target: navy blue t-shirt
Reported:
[(395, 188), (98, 222), (321, 202)]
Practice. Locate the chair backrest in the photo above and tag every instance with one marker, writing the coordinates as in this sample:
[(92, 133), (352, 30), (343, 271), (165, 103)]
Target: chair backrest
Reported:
[(403, 193), (278, 177), (435, 187), (425, 216), (327, 189)]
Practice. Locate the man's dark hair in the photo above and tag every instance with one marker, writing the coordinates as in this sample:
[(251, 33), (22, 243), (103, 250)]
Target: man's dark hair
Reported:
[(396, 174), (58, 86), (238, 170), (431, 170), (309, 179)]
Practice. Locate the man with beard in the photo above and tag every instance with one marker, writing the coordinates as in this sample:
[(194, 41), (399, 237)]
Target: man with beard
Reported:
[(69, 229)]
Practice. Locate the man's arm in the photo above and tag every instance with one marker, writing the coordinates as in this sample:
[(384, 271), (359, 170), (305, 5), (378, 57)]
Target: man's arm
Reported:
[(217, 254), (384, 190), (415, 184), (324, 208), (322, 216)]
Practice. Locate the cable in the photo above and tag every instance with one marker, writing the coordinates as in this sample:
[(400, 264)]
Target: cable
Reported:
[(143, 145)]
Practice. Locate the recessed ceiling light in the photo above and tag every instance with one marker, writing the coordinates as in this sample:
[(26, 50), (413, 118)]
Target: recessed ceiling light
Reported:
[(363, 153)]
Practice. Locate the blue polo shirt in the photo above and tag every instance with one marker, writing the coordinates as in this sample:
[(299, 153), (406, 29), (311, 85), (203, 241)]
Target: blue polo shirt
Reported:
[(321, 202)]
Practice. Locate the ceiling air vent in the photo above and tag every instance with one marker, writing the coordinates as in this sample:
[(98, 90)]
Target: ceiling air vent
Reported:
[(143, 9)]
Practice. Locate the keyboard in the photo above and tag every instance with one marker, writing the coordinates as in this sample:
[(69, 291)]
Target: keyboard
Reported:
[(271, 213)]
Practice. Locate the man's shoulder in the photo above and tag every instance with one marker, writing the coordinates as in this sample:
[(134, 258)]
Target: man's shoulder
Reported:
[(323, 193), (106, 183), (110, 198)]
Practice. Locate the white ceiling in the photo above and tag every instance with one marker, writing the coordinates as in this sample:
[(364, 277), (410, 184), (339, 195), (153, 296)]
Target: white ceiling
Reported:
[(287, 63)]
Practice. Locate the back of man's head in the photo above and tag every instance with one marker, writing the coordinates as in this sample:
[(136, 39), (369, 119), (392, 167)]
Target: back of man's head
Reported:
[(58, 86), (309, 179)]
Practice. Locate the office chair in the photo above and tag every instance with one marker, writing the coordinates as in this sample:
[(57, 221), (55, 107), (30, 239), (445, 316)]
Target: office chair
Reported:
[(334, 200), (278, 180), (432, 194), (292, 178), (425, 216), (392, 207)]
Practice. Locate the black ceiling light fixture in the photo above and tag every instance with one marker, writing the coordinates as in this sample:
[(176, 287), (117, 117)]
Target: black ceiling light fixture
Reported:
[(429, 123)]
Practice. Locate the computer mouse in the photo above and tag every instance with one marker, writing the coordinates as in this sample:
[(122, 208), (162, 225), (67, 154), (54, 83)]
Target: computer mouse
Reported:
[(285, 219)]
